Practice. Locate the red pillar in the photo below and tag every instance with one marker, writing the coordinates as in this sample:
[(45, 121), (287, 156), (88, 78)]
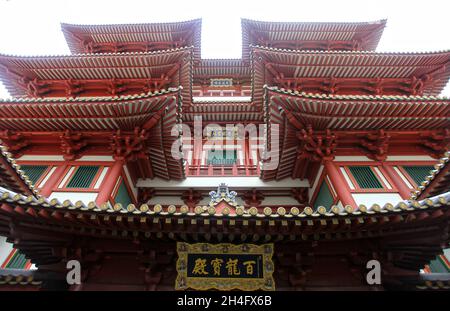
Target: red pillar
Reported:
[(339, 184), (108, 184), (51, 183), (398, 183)]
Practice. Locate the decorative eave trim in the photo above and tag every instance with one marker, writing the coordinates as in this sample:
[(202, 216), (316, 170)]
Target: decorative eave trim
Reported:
[(442, 200), (102, 99), (20, 175), (97, 55), (17, 277), (368, 23), (354, 97), (191, 21), (333, 52), (438, 168)]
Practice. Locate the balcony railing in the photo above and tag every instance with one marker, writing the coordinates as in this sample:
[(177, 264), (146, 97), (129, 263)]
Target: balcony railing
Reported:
[(222, 170)]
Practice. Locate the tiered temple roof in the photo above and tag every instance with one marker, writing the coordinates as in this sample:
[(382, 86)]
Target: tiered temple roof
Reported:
[(341, 72), (346, 122), (418, 222), (97, 74), (133, 37), (119, 126), (224, 111), (349, 100), (311, 36)]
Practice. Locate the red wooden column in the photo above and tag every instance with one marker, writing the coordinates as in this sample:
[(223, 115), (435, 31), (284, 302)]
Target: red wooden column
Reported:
[(47, 190), (109, 182), (247, 159), (403, 190), (339, 184)]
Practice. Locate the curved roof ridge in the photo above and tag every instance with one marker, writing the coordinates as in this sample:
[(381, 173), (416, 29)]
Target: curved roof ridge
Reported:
[(371, 97), (237, 102), (221, 59), (347, 52), (379, 21), (185, 48), (195, 20), (437, 201), (15, 168), (438, 168), (90, 98)]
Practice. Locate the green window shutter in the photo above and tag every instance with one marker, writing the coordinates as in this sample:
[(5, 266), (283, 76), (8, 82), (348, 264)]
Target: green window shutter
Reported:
[(222, 157), (365, 177), (418, 173), (83, 177), (18, 261), (34, 172), (324, 197), (122, 195)]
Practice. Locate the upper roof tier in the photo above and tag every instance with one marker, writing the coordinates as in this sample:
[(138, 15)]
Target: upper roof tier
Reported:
[(350, 72), (218, 68), (159, 36), (311, 35), (120, 60), (97, 75), (133, 37)]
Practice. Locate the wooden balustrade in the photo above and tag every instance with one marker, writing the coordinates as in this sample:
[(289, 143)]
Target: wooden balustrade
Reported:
[(222, 170)]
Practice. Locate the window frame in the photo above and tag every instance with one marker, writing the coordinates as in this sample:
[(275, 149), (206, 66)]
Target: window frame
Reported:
[(400, 164), (406, 174), (371, 165), (49, 165), (70, 164), (64, 187)]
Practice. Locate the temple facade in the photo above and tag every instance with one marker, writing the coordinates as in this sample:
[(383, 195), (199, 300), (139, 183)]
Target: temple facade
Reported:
[(292, 167)]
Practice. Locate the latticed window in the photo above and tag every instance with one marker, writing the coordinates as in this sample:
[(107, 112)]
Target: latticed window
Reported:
[(34, 172), (365, 177), (418, 173), (83, 177), (122, 195), (221, 157), (324, 197)]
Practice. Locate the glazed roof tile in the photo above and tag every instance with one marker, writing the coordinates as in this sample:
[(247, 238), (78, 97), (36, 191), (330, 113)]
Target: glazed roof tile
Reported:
[(439, 178), (442, 200), (12, 177)]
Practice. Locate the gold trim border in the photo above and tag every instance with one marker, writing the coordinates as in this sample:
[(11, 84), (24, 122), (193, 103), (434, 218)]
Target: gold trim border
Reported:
[(183, 282)]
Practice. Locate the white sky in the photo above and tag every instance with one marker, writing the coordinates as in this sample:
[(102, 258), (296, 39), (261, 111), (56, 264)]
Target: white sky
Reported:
[(33, 27)]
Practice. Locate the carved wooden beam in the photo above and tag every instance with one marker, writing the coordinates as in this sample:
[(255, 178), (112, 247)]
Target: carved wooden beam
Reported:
[(316, 147), (376, 145), (15, 142), (72, 145)]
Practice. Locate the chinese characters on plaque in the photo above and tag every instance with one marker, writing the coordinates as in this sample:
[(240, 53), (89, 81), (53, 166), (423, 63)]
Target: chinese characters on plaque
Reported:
[(211, 265), (225, 266)]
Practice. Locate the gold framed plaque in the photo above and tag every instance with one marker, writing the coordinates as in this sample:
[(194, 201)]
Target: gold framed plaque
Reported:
[(224, 266)]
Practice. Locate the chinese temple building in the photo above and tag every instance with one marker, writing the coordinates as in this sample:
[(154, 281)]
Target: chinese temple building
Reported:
[(288, 169)]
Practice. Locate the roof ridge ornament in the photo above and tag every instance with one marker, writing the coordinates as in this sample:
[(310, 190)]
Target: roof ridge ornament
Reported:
[(222, 193)]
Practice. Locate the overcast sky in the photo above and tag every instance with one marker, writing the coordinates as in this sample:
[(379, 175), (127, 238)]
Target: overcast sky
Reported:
[(30, 27)]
